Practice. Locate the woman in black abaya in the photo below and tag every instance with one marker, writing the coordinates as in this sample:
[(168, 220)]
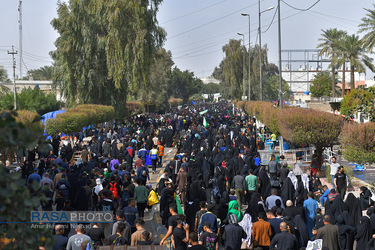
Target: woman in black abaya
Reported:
[(365, 197), (303, 235), (355, 211), (338, 206), (363, 234), (265, 185), (255, 206), (287, 191), (346, 233)]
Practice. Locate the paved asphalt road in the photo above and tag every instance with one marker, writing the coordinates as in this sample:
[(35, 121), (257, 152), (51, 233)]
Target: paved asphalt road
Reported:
[(152, 217)]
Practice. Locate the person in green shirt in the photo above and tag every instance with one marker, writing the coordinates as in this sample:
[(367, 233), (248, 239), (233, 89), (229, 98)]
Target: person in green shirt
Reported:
[(273, 137), (251, 185), (141, 197)]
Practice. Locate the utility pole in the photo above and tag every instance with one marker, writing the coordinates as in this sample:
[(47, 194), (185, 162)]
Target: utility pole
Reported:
[(280, 69), (20, 36), (260, 56), (248, 15), (14, 75), (243, 64)]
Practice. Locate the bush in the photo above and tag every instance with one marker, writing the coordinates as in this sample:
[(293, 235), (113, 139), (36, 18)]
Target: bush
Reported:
[(358, 142), (265, 112), (174, 102), (31, 99), (134, 108), (301, 126), (354, 100), (73, 120)]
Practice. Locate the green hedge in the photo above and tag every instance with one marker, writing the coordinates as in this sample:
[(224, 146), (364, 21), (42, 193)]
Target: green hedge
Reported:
[(302, 126), (174, 102), (134, 108), (358, 142), (73, 120)]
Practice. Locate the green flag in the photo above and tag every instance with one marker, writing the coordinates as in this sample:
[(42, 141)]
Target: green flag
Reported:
[(179, 208), (205, 122), (203, 112)]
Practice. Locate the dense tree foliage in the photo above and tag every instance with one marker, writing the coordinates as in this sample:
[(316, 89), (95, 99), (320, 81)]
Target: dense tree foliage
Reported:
[(14, 134), (271, 88), (105, 49), (321, 85), (301, 126), (230, 73), (158, 89), (210, 88), (358, 142), (31, 99), (185, 84), (359, 100)]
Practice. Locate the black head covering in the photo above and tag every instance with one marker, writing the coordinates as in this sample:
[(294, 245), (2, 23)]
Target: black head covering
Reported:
[(338, 207), (253, 208), (363, 232), (300, 225), (355, 211), (287, 191)]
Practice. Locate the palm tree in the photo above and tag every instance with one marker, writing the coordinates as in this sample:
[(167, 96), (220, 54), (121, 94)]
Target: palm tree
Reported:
[(368, 26), (329, 46), (354, 52), (43, 73)]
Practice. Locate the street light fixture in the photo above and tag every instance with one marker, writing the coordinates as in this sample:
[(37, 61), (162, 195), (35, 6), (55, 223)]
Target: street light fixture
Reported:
[(243, 63), (248, 15), (260, 49)]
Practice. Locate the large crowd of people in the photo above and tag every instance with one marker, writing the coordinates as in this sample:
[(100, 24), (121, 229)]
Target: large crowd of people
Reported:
[(229, 199)]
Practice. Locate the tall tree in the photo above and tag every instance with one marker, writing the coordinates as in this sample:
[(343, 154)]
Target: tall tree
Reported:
[(351, 46), (158, 90), (105, 49), (320, 86), (233, 69), (185, 84), (3, 78), (329, 47), (368, 26)]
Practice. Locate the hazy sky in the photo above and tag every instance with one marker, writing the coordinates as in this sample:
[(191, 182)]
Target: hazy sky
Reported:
[(197, 30)]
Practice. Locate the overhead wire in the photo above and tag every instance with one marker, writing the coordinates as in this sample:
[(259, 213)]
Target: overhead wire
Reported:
[(196, 11), (273, 18), (215, 20), (299, 8)]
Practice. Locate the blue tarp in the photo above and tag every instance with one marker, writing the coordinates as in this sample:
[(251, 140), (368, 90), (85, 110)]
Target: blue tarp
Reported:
[(50, 115)]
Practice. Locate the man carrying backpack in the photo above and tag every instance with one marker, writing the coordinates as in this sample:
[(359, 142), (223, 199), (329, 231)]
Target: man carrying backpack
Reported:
[(154, 158), (142, 173)]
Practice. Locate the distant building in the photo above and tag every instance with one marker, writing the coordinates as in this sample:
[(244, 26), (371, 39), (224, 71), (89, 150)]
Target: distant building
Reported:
[(209, 79), (299, 68), (45, 86)]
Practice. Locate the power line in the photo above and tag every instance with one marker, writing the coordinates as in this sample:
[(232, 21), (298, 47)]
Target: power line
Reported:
[(218, 19), (299, 8), (196, 11), (270, 22), (336, 17)]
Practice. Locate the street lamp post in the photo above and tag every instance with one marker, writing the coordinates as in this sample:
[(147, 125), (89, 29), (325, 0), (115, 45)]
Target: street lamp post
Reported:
[(248, 15), (280, 70), (260, 49), (243, 63)]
